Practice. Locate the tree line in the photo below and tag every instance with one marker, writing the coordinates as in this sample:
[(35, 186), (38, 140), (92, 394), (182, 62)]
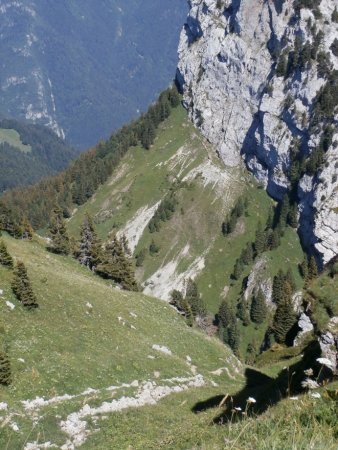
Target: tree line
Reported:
[(75, 185)]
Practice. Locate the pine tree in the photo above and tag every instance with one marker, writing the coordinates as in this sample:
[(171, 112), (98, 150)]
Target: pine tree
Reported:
[(60, 242), (5, 257), (226, 314), (176, 299), (181, 304), (284, 209), (117, 267), (90, 252), (247, 254), (290, 279), (259, 310), (278, 288), (27, 229), (193, 298), (238, 269), (243, 311), (313, 268), (5, 369), (283, 321), (293, 216), (233, 337), (22, 288)]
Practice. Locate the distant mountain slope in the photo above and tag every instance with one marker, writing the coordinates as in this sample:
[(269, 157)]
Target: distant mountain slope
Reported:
[(30, 152), (82, 69)]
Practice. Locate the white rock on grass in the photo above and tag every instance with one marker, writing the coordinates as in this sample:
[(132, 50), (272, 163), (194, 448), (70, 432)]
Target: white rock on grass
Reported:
[(10, 305), (162, 349)]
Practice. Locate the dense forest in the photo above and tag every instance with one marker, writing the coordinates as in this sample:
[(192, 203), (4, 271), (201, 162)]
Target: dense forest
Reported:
[(48, 154), (75, 185)]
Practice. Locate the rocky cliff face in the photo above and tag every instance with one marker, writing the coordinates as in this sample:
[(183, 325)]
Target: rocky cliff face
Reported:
[(260, 80)]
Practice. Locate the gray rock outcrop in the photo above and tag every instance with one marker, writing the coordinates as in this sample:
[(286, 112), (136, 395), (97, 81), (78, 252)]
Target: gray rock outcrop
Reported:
[(254, 109)]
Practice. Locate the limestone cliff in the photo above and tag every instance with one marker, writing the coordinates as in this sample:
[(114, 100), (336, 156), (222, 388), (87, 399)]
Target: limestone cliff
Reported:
[(259, 78)]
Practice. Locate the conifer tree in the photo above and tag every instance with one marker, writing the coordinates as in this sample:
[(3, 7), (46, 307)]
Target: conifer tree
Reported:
[(278, 288), (60, 242), (247, 254), (233, 337), (243, 311), (293, 216), (5, 369), (238, 269), (226, 314), (290, 279), (5, 257), (22, 288), (182, 305), (284, 209), (313, 268), (27, 229), (283, 321), (90, 253), (117, 267), (194, 299), (259, 310)]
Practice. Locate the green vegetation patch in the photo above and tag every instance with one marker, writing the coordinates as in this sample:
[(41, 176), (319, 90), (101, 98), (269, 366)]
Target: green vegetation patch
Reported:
[(12, 137)]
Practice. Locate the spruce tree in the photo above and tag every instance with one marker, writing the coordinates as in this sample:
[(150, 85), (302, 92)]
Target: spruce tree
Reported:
[(238, 269), (313, 268), (22, 288), (283, 321), (90, 252), (194, 299), (233, 337), (60, 242), (243, 311), (259, 310), (5, 258), (116, 266), (290, 279), (226, 314), (27, 229), (278, 288), (5, 369)]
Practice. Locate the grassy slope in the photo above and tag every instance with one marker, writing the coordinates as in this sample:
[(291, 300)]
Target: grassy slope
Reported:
[(12, 138), (67, 350), (144, 177)]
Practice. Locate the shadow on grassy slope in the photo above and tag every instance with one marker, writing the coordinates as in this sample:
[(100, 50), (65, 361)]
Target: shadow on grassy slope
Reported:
[(263, 389)]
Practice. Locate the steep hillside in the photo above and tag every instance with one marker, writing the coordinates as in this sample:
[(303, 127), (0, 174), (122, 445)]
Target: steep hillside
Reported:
[(84, 70), (190, 244), (95, 367), (29, 153), (87, 344), (260, 80)]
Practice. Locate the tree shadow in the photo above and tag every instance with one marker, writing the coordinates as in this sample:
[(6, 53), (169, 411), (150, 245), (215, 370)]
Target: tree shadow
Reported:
[(262, 391)]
